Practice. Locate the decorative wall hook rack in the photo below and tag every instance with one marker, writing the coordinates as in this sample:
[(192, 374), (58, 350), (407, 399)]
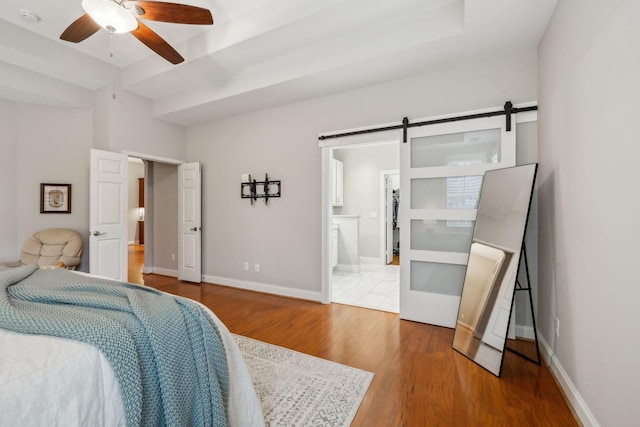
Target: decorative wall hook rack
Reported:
[(249, 190)]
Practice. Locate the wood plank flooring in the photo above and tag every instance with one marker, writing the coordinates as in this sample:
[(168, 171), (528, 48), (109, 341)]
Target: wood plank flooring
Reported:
[(419, 379)]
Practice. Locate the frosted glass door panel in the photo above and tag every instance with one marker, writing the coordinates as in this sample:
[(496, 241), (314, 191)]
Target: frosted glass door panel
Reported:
[(454, 192), (456, 149), (441, 173), (441, 235), (437, 278)]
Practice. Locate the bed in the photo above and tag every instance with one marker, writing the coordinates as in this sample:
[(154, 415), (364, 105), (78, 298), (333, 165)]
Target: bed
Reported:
[(79, 373)]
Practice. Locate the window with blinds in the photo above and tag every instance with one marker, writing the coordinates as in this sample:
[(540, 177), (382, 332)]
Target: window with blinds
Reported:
[(463, 192)]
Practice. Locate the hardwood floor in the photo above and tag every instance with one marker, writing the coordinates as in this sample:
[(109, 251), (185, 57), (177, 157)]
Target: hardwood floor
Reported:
[(419, 379), (136, 262)]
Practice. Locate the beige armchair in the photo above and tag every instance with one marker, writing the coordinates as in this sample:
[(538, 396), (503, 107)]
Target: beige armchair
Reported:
[(55, 247)]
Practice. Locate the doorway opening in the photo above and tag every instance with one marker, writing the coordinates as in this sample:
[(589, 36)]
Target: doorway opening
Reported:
[(152, 205), (390, 198), (136, 220), (364, 271)]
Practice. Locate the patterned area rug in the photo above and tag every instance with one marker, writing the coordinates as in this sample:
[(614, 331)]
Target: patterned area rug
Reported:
[(296, 389)]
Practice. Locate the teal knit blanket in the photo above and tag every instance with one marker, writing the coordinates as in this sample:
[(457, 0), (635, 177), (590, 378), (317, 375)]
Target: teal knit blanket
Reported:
[(166, 352)]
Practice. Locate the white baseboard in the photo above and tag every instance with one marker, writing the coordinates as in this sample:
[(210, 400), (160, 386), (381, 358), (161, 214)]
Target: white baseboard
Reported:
[(575, 399), (523, 331), (164, 271), (349, 268), (148, 270), (264, 287), (248, 285), (461, 323), (371, 260)]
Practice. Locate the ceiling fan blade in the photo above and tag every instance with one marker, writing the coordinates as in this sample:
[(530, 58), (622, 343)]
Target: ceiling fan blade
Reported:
[(80, 29), (156, 43), (171, 12)]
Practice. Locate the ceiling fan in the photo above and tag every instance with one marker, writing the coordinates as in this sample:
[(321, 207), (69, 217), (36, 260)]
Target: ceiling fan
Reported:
[(122, 16)]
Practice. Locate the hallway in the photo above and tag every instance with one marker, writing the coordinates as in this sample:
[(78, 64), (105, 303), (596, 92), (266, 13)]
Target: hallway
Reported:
[(136, 262)]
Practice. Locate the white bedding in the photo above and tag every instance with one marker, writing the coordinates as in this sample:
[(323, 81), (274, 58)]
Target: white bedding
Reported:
[(48, 381)]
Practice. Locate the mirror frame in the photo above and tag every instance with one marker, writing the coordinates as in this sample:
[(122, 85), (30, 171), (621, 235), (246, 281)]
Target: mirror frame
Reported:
[(499, 259)]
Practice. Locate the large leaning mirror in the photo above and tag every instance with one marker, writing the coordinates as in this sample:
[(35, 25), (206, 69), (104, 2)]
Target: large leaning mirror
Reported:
[(489, 283)]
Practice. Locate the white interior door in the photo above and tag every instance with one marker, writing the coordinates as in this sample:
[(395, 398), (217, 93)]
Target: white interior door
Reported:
[(388, 189), (190, 225), (108, 214), (441, 169)]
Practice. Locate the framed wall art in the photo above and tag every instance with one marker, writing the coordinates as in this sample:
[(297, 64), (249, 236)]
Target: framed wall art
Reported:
[(55, 198)]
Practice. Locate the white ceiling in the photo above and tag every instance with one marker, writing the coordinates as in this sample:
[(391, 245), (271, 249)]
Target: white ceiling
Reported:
[(258, 53)]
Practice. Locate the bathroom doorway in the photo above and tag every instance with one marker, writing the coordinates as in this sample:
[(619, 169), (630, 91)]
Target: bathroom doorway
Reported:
[(363, 271)]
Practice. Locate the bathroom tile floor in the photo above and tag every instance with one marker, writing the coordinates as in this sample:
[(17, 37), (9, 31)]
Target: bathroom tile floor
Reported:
[(375, 286)]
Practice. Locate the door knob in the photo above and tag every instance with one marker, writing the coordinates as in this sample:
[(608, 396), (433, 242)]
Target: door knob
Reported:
[(97, 233), (194, 229)]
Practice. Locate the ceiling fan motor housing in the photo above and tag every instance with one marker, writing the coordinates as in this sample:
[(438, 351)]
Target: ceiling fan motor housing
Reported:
[(110, 15)]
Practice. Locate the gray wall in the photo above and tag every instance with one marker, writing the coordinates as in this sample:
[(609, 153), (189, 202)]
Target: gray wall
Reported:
[(589, 209), (48, 149), (127, 125), (526, 152), (285, 237), (51, 144), (8, 185), (164, 188)]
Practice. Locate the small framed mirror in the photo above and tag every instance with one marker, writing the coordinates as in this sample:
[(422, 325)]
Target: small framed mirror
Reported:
[(490, 278)]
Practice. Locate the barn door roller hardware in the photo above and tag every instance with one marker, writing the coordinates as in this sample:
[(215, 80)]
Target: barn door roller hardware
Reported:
[(249, 190), (507, 111)]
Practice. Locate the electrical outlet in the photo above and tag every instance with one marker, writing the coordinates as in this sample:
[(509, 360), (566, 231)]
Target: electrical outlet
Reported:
[(257, 266), (246, 266), (557, 324), (173, 257)]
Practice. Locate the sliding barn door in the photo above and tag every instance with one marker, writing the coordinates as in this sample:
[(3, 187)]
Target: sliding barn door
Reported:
[(441, 169)]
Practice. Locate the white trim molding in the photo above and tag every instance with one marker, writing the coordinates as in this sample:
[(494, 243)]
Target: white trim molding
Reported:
[(264, 287), (576, 401), (163, 271), (153, 158), (248, 285), (524, 331)]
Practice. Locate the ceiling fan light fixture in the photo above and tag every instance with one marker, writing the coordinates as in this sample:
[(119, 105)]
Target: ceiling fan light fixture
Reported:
[(110, 15)]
